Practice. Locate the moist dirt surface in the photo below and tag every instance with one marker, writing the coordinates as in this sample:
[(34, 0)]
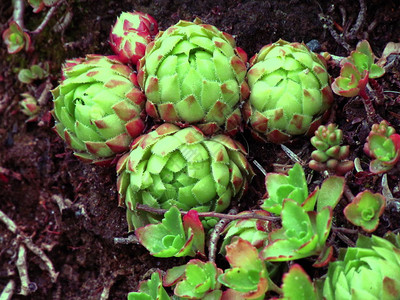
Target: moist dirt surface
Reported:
[(70, 209)]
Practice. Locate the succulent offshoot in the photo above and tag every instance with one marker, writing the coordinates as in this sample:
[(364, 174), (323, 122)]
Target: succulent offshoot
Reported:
[(16, 39), (193, 74), (330, 155), (365, 210), (98, 108), (383, 145), (290, 91), (29, 106), (130, 35)]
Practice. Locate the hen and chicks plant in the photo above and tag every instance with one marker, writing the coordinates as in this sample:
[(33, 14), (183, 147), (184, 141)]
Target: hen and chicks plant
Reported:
[(193, 75)]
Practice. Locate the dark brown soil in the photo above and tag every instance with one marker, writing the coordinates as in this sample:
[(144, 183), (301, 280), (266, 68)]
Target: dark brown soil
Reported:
[(35, 166)]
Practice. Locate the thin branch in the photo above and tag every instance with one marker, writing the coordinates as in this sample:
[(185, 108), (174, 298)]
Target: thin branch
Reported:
[(47, 18), (160, 211), (359, 22), (8, 291), (18, 13), (30, 245), (347, 193), (23, 271), (44, 96), (216, 233), (132, 239)]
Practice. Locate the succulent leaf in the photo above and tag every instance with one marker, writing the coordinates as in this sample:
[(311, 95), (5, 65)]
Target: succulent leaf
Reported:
[(289, 91), (297, 285)]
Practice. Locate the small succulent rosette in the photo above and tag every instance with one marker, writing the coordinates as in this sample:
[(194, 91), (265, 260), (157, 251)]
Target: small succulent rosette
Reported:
[(383, 144), (193, 74), (16, 39), (130, 35), (182, 167), (98, 108), (289, 91), (29, 106)]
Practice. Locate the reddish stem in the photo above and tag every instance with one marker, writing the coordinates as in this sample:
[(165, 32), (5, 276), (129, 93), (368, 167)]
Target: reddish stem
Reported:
[(369, 107)]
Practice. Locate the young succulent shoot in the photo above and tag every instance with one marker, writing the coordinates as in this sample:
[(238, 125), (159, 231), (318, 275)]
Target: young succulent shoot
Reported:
[(195, 280), (192, 73), (294, 186), (365, 210), (290, 91), (255, 231), (383, 144), (39, 5), (248, 276), (130, 35), (355, 72), (33, 73), (303, 234), (182, 167), (297, 285), (98, 108), (371, 270), (150, 289), (172, 237), (330, 155), (29, 106), (16, 39)]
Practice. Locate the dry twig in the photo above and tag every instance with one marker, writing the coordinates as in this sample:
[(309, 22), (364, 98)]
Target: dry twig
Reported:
[(8, 291)]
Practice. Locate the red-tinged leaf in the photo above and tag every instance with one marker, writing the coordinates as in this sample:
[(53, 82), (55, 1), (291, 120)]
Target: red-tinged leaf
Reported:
[(173, 275), (241, 254), (192, 222), (330, 193), (135, 127)]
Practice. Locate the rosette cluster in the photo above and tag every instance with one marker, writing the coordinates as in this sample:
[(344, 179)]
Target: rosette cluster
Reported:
[(98, 107), (182, 167), (193, 74), (289, 91)]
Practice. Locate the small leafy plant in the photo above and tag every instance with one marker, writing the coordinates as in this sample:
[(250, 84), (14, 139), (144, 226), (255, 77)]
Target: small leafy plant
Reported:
[(172, 237), (365, 210), (330, 155), (29, 106), (355, 72), (16, 39), (383, 144), (34, 72)]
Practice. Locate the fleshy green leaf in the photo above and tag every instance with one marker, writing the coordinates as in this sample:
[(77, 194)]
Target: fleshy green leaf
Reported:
[(297, 285)]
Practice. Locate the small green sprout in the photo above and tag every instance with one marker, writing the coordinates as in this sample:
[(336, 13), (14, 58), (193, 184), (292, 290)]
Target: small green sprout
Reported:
[(29, 106), (172, 237), (371, 270), (195, 280), (34, 72), (16, 39), (355, 72), (383, 144), (248, 276), (151, 289), (303, 233), (330, 155), (365, 210)]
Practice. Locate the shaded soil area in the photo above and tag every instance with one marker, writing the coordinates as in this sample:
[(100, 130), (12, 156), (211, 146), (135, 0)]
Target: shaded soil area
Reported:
[(70, 209)]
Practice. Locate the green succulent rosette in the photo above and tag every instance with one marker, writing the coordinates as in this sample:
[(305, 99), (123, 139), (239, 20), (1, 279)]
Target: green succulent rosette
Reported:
[(371, 270), (192, 73), (182, 167), (289, 91), (98, 107)]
